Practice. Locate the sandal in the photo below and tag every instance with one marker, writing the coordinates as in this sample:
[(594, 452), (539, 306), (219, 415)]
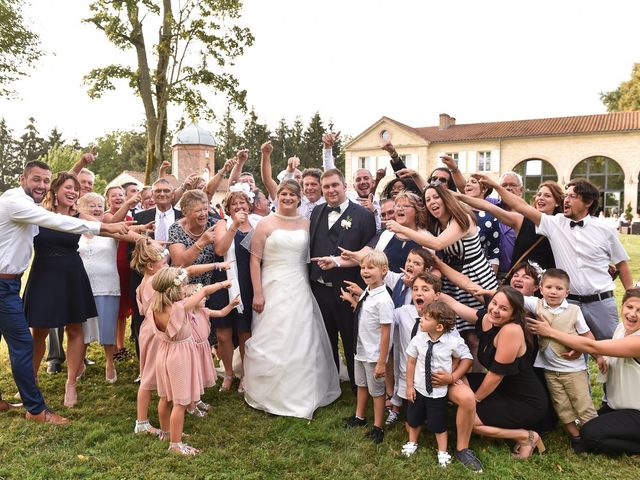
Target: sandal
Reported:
[(409, 449), (196, 412), (203, 406), (183, 449), (226, 383), (241, 385), (146, 427), (525, 450)]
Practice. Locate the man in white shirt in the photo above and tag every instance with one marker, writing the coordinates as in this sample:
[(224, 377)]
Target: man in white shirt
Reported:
[(584, 247), (19, 221)]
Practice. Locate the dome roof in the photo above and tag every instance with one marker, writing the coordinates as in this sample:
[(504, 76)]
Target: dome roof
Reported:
[(192, 134)]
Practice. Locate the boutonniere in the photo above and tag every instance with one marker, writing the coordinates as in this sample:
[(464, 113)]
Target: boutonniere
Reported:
[(346, 223)]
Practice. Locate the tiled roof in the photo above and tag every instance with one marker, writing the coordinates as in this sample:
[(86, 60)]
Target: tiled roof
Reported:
[(585, 124)]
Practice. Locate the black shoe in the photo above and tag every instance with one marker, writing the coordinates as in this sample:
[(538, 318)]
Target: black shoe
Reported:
[(468, 458), (354, 421), (577, 445), (376, 434), (53, 368), (88, 361)]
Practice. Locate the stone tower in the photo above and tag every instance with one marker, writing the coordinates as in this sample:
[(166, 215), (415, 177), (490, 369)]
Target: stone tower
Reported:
[(193, 151)]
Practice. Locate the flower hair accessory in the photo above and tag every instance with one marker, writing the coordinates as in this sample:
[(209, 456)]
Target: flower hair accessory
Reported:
[(182, 276), (244, 188), (536, 266)]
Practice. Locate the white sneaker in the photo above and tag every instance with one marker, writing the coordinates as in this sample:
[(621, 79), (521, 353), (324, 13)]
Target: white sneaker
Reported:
[(392, 418), (409, 449), (444, 459)]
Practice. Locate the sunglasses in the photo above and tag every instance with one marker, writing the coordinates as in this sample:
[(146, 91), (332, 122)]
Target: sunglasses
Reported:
[(438, 180)]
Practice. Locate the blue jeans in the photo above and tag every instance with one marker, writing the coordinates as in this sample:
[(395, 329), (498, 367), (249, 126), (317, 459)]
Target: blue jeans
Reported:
[(14, 329)]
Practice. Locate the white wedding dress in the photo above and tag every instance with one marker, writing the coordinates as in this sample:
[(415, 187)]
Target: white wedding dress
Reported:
[(288, 365)]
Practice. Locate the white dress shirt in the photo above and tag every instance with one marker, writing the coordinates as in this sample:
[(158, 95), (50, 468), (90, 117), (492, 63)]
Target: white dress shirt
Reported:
[(306, 207), (583, 252), (19, 221), (376, 310), (163, 221), (333, 217)]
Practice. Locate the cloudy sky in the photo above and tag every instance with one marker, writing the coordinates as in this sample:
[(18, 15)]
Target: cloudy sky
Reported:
[(357, 60)]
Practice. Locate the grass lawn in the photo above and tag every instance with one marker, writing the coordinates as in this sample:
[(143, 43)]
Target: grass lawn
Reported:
[(238, 442)]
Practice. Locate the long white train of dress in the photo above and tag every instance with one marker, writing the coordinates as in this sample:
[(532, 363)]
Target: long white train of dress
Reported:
[(288, 365)]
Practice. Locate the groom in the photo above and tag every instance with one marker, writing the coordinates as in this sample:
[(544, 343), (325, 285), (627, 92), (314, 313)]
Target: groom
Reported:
[(337, 223)]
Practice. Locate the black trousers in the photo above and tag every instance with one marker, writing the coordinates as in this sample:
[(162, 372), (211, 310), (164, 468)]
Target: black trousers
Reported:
[(338, 318), (613, 432)]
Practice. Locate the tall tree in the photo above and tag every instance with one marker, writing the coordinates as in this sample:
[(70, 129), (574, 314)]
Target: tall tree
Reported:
[(197, 41), (32, 145), (228, 142), (10, 162), (311, 154), (118, 151), (281, 148), (19, 46), (61, 158), (254, 135), (295, 138), (627, 96)]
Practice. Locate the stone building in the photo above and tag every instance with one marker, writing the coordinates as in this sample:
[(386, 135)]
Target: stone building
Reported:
[(193, 151), (604, 148)]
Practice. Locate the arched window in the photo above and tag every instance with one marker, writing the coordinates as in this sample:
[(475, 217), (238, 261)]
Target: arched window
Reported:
[(608, 176), (534, 171)]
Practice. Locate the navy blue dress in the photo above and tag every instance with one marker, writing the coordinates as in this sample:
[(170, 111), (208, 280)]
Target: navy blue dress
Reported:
[(58, 291)]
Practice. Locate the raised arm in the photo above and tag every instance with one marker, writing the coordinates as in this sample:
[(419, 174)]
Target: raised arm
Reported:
[(193, 301), (328, 139), (511, 219), (265, 170), (122, 212), (457, 278), (214, 183), (515, 202), (457, 176), (449, 236), (396, 162), (85, 160), (417, 178)]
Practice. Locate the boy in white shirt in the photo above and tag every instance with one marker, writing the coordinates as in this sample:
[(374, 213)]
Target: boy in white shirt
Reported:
[(433, 349), (565, 374), (372, 333), (425, 289)]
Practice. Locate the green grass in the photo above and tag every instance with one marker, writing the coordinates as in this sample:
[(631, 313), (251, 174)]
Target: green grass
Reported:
[(238, 442)]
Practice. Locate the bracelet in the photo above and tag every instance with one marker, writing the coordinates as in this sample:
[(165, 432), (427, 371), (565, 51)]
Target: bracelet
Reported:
[(198, 246)]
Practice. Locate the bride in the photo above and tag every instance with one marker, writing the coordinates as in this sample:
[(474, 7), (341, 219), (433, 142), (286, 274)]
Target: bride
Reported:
[(288, 364)]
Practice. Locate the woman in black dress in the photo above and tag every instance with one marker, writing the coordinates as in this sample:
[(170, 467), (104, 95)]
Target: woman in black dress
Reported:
[(58, 292), (510, 398), (229, 235)]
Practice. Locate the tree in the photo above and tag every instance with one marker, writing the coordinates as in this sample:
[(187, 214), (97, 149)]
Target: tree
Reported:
[(295, 138), (254, 135), (228, 142), (19, 47), (311, 153), (10, 163), (281, 148), (197, 40), (119, 151), (32, 145), (627, 96), (61, 158), (338, 150)]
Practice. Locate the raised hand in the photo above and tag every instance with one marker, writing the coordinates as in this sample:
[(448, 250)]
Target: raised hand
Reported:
[(353, 288), (208, 236), (449, 162), (228, 165), (165, 166), (133, 201), (487, 182), (407, 173), (381, 173), (329, 139), (389, 148), (292, 164), (242, 156), (239, 218), (89, 157), (266, 148)]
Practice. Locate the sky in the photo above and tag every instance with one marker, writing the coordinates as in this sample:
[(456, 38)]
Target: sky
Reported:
[(355, 61)]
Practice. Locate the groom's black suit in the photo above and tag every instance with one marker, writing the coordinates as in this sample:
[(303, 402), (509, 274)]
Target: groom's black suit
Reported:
[(336, 313)]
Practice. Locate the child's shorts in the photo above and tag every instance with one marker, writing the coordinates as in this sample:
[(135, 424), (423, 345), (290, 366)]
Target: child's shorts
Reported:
[(433, 410), (363, 373)]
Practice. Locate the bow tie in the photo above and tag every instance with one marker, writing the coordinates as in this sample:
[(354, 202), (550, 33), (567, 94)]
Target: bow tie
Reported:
[(333, 209), (577, 224)]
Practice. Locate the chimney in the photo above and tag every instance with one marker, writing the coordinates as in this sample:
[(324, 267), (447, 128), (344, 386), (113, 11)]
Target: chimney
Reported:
[(446, 121)]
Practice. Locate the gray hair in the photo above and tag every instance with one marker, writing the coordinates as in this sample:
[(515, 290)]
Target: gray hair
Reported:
[(517, 176), (88, 172), (87, 198)]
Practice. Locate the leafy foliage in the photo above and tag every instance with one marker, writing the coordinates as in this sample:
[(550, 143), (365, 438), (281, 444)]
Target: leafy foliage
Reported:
[(198, 41), (627, 96), (10, 163), (19, 47)]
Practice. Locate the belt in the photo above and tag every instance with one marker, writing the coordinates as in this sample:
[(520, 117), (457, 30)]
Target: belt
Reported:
[(591, 298), (10, 276)]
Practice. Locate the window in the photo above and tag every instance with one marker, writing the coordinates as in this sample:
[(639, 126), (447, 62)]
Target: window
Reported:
[(410, 160), (362, 162), (534, 171), (455, 156), (484, 162), (606, 174)]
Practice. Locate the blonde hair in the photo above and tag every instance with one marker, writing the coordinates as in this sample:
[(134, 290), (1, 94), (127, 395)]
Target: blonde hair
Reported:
[(87, 198), (190, 197), (418, 205), (192, 289), (167, 283), (145, 253), (376, 258), (231, 196)]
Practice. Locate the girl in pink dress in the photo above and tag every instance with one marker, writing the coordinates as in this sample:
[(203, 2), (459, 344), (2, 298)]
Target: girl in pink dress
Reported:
[(149, 257), (178, 375), (201, 327)]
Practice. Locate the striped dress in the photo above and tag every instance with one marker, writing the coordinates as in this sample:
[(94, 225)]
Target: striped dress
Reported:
[(467, 256)]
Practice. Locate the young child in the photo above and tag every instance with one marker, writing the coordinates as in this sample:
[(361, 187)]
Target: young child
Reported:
[(425, 289), (177, 367), (372, 333), (433, 350), (566, 377), (201, 327)]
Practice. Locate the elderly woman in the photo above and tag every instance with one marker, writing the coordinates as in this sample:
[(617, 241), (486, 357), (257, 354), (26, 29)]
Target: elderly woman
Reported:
[(511, 400), (616, 430), (229, 235), (58, 292), (99, 258)]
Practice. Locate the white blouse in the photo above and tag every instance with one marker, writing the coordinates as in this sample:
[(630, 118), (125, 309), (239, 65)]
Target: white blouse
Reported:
[(99, 257), (623, 379)]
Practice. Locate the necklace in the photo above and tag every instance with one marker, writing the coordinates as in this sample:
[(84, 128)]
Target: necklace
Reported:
[(287, 217), (193, 234)]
